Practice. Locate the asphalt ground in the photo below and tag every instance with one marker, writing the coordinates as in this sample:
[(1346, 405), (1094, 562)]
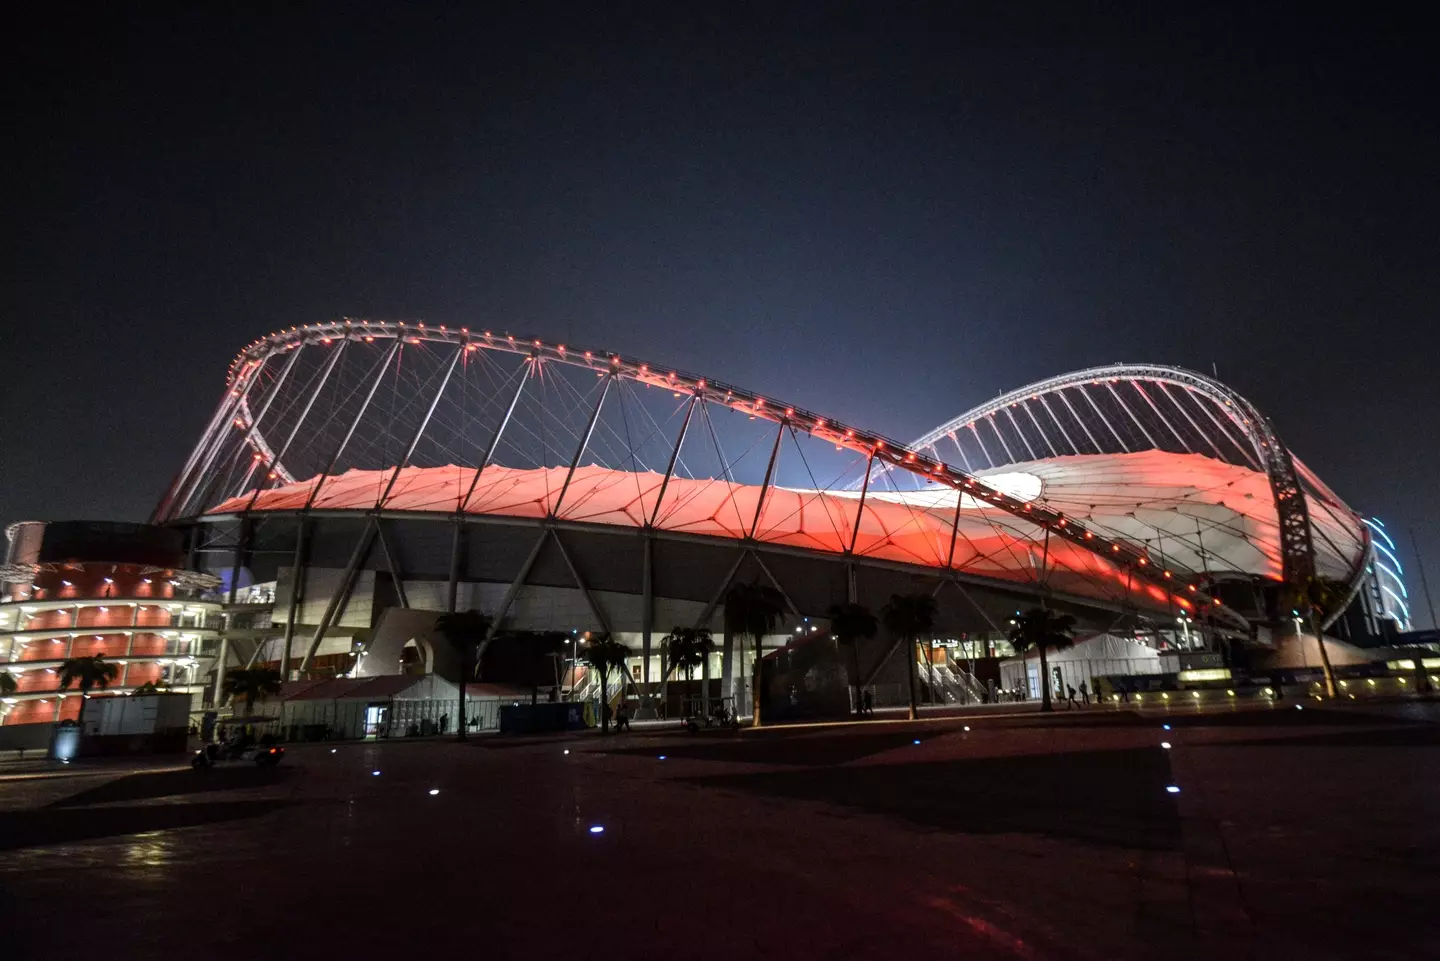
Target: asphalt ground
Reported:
[(1294, 834)]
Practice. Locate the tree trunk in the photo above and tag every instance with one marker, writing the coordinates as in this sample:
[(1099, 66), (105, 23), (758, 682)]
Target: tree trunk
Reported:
[(464, 676), (755, 693), (604, 701), (755, 677), (80, 718), (855, 656), (705, 684), (1324, 655), (910, 677), (1045, 704)]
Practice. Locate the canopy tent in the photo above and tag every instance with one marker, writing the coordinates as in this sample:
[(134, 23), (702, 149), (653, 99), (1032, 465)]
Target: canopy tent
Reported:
[(1096, 656)]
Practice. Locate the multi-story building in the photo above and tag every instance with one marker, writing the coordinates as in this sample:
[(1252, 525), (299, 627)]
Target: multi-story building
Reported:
[(76, 589)]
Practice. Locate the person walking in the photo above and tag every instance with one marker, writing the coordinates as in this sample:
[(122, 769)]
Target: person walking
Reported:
[(867, 701), (1073, 704), (1084, 694)]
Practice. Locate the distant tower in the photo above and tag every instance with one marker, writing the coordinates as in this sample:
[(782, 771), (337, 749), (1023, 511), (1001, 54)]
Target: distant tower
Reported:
[(1385, 597)]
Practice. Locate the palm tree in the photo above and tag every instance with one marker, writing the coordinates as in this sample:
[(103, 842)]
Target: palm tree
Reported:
[(1322, 597), (149, 687), (1043, 630), (851, 623), (87, 672), (466, 631), (753, 610), (254, 685), (909, 617), (605, 654), (686, 648)]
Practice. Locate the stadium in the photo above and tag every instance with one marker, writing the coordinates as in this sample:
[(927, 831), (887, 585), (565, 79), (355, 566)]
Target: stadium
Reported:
[(359, 477)]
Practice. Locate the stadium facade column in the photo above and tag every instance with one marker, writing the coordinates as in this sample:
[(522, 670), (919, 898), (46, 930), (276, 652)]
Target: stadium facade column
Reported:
[(396, 575), (457, 541), (297, 585), (647, 606), (372, 526), (647, 573), (241, 540)]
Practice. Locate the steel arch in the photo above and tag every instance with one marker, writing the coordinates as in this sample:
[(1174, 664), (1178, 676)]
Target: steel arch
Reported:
[(1184, 588), (1285, 472)]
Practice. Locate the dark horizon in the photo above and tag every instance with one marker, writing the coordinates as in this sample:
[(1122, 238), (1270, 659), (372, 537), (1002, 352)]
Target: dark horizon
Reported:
[(886, 215)]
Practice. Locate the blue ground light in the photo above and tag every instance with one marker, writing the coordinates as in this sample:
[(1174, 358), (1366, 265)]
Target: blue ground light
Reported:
[(1172, 789), (597, 829)]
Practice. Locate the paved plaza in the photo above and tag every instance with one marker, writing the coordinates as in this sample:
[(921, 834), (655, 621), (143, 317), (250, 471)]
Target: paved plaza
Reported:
[(1294, 834)]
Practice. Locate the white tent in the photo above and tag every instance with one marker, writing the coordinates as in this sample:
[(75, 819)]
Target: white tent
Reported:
[(1089, 658)]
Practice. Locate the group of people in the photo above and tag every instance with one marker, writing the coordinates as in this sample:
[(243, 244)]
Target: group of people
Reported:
[(1070, 701)]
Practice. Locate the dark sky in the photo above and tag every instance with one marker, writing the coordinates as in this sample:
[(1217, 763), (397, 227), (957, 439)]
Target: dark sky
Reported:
[(884, 212)]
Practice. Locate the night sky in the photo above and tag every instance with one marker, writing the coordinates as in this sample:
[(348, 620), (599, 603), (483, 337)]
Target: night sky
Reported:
[(884, 212)]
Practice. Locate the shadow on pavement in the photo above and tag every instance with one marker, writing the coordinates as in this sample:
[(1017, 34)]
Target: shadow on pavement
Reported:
[(1114, 798), (1427, 735), (142, 787), (24, 829), (804, 748)]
